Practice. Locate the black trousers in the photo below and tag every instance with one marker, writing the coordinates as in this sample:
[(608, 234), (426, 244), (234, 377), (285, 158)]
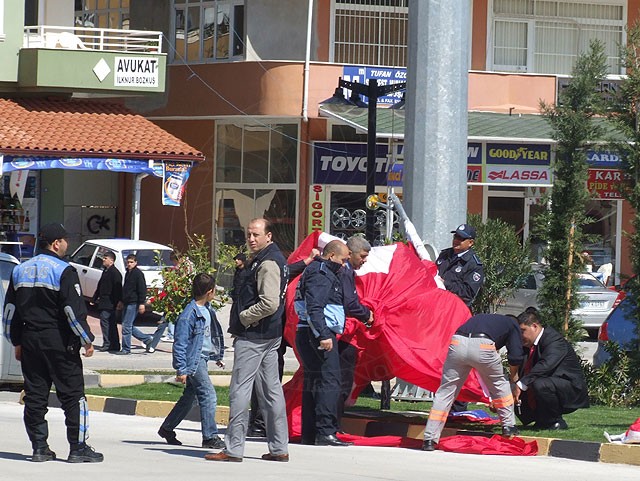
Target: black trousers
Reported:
[(109, 326), (548, 407), (348, 359), (49, 358), (321, 389)]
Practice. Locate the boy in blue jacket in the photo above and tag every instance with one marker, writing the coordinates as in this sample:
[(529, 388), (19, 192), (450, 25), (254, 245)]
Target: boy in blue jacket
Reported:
[(198, 339)]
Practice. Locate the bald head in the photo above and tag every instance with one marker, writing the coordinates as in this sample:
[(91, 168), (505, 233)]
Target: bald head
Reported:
[(336, 251)]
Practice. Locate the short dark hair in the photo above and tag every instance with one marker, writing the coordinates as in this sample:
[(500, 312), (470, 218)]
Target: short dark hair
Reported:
[(110, 255), (202, 283), (529, 316), (132, 257)]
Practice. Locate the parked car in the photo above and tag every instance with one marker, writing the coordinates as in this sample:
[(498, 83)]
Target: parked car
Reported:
[(620, 328), (10, 370), (87, 259), (598, 301)]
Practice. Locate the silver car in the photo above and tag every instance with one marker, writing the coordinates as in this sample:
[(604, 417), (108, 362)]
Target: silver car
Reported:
[(10, 370), (597, 301)]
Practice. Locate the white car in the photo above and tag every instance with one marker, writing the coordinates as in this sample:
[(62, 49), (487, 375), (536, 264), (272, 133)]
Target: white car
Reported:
[(596, 302), (10, 370), (87, 259)]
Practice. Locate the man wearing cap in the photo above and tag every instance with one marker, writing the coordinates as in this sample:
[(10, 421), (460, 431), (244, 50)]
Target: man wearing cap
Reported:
[(459, 266), (46, 320)]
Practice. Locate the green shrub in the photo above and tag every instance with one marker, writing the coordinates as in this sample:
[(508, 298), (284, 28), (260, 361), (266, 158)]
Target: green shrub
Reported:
[(506, 263), (616, 383)]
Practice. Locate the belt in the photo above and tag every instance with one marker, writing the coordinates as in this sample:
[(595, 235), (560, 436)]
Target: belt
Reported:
[(473, 334)]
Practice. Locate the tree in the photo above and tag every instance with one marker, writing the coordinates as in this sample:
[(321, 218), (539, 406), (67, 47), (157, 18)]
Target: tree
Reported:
[(506, 263), (573, 128)]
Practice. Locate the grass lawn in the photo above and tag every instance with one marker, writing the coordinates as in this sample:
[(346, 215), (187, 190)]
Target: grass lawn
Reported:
[(584, 424)]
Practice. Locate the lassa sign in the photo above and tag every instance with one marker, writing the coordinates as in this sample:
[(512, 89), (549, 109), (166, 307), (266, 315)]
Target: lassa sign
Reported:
[(503, 174)]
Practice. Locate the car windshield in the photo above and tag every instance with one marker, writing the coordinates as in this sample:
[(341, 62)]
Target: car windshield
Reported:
[(150, 259)]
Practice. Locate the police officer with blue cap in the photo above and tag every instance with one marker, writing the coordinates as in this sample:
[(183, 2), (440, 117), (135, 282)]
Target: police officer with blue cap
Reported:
[(459, 266)]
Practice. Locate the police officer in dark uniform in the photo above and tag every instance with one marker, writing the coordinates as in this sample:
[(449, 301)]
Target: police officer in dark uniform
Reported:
[(462, 273), (459, 266), (46, 320)]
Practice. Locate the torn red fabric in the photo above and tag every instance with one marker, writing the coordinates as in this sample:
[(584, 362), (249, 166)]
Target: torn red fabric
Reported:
[(414, 322), (493, 445)]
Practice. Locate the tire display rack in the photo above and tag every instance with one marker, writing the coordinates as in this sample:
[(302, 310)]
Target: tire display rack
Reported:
[(348, 217)]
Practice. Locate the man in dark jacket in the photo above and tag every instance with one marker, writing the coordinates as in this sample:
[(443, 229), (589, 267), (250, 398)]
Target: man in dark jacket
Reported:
[(134, 296), (256, 324), (107, 296), (551, 380), (475, 345), (359, 249), (46, 320), (459, 267), (320, 303)]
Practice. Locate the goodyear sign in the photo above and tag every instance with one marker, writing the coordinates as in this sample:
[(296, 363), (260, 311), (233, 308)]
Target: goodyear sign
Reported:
[(519, 154)]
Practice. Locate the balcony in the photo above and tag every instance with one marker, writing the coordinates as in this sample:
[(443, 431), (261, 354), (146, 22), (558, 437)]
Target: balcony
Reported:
[(94, 60)]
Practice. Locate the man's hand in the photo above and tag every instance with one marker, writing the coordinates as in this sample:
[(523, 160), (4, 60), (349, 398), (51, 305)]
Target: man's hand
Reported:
[(141, 309), (314, 252), (182, 378), (516, 393), (369, 322), (88, 350), (326, 345), (18, 353)]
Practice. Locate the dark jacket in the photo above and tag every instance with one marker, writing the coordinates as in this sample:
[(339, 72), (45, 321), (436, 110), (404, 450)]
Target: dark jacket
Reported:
[(134, 290), (269, 327), (44, 293), (320, 287), (463, 275), (503, 330), (109, 290), (554, 357), (352, 304), (188, 339)]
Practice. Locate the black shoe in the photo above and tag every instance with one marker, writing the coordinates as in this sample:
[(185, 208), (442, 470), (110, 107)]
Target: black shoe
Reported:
[(256, 432), (428, 445), (123, 353), (330, 440), (561, 424), (41, 455), (169, 436), (510, 431), (85, 454), (213, 443), (102, 348)]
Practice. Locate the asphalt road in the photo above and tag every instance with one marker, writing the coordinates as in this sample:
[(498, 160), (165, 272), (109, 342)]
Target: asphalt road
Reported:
[(133, 450)]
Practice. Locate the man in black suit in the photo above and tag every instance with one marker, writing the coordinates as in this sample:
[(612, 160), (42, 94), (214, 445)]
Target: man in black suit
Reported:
[(107, 296), (551, 382)]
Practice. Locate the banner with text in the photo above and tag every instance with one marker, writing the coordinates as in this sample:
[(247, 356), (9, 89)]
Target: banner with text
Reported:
[(175, 178)]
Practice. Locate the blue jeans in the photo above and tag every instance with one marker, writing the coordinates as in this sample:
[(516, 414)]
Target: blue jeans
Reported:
[(128, 329), (198, 387)]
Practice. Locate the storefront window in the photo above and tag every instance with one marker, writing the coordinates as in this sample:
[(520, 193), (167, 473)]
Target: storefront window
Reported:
[(236, 207)]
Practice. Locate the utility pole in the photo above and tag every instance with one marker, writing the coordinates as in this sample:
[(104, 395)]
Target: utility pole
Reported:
[(435, 159)]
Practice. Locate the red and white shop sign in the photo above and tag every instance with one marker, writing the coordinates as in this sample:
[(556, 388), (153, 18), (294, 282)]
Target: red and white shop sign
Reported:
[(605, 183), (518, 174)]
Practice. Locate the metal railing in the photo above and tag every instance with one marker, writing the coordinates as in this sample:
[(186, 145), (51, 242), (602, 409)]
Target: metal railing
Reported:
[(84, 38)]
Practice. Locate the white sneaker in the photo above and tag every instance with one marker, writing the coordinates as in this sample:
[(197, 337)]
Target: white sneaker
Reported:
[(166, 339)]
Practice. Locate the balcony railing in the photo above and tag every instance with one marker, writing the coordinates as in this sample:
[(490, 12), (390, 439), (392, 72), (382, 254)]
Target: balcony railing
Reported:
[(83, 38)]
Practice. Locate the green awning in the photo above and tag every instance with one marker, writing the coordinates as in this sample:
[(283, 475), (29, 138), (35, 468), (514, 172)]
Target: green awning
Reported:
[(482, 125)]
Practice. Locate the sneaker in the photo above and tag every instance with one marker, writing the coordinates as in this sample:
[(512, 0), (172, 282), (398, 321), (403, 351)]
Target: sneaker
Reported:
[(169, 436), (166, 338), (150, 349), (85, 454), (213, 443), (123, 353), (41, 455)]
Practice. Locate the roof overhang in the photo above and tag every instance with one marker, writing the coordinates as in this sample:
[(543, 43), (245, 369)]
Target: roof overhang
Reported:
[(482, 126)]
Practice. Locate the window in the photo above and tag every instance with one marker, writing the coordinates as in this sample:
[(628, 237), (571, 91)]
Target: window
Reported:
[(547, 36), (2, 35), (370, 32), (84, 255), (221, 23), (102, 14), (256, 176), (266, 153)]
